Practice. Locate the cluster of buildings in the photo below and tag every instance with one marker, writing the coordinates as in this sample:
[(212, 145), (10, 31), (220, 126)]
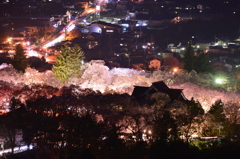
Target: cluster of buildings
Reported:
[(121, 37)]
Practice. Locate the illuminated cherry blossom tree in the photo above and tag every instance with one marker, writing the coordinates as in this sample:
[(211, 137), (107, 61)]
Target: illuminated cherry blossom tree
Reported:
[(205, 96), (6, 93), (137, 120), (99, 77)]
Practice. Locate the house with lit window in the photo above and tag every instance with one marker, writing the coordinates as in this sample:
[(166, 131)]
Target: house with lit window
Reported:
[(128, 41), (218, 65), (218, 50), (178, 47), (166, 53), (104, 28), (154, 64)]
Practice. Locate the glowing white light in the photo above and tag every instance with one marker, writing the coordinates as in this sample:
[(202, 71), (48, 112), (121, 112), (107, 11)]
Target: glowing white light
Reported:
[(32, 53), (104, 138), (71, 27), (16, 149), (125, 25), (122, 136), (194, 135), (57, 40), (98, 7), (175, 69), (4, 65), (219, 81)]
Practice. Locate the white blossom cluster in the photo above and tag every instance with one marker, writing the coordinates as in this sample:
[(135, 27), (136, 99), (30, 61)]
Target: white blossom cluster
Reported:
[(99, 77), (205, 96), (119, 80), (31, 76)]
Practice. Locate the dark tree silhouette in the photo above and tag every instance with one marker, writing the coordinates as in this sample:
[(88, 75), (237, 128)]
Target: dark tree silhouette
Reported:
[(19, 60), (189, 58)]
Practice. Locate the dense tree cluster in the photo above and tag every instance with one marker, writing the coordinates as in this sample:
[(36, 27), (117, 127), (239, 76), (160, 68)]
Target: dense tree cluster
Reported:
[(68, 63), (196, 60), (95, 116), (70, 122), (121, 80), (20, 60)]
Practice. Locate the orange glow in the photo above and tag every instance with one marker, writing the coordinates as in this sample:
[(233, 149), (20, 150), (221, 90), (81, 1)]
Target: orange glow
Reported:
[(89, 10), (50, 59), (175, 69)]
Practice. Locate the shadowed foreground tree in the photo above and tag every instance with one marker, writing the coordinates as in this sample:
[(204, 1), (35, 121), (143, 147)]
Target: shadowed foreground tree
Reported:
[(232, 113), (186, 119), (192, 119), (59, 128), (164, 127), (19, 60), (11, 124), (216, 119), (217, 111), (68, 63)]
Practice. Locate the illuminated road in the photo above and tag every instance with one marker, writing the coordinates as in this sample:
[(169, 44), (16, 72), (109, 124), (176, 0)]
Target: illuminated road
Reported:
[(59, 35), (16, 149), (69, 27)]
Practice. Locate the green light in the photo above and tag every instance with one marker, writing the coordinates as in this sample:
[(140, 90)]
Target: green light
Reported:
[(219, 81)]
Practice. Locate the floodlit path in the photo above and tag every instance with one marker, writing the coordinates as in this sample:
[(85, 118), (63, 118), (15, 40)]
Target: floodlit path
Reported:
[(16, 149)]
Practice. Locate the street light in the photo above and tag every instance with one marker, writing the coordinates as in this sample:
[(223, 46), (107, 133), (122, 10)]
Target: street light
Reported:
[(149, 132), (9, 40), (175, 69), (219, 81), (98, 9)]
